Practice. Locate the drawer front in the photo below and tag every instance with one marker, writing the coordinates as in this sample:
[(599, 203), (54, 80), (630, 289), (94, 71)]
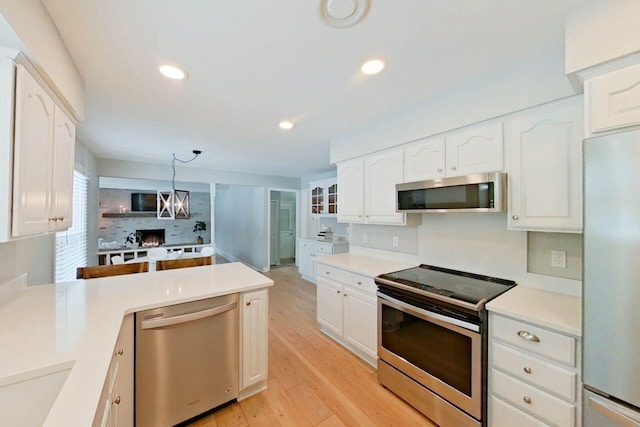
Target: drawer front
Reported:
[(535, 371), (365, 284), (504, 415), (552, 345), (542, 405), (323, 248), (306, 244)]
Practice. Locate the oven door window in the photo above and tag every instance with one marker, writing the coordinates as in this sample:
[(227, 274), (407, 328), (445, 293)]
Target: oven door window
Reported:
[(436, 350)]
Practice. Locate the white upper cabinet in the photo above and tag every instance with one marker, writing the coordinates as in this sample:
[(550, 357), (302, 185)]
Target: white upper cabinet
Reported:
[(44, 154), (367, 188), (476, 150), (32, 156), (64, 147), (613, 100), (545, 168), (324, 197), (350, 190), (381, 174), (424, 160)]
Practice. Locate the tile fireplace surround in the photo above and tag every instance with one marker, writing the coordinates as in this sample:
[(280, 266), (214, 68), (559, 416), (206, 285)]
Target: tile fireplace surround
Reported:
[(178, 231)]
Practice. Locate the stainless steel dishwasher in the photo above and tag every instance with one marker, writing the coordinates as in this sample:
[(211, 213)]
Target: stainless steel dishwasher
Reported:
[(186, 360)]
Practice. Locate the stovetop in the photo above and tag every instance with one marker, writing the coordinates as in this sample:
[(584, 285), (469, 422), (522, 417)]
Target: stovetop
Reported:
[(453, 286)]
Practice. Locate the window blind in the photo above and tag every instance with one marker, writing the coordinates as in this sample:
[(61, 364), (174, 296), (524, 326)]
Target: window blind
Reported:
[(71, 244)]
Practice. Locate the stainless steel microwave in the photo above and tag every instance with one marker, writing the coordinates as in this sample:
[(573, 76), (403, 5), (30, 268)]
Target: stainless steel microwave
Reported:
[(484, 192)]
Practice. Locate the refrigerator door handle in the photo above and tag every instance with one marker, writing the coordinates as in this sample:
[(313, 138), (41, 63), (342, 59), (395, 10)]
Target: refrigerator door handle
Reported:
[(617, 414)]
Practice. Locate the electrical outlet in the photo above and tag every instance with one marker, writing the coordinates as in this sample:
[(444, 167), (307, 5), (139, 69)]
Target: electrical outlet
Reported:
[(395, 241), (559, 259), (365, 238)]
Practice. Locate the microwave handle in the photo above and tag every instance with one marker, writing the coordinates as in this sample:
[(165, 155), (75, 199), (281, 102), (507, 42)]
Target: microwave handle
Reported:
[(430, 314)]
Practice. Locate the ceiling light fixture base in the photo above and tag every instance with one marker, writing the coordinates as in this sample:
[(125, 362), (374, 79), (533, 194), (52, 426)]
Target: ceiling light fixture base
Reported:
[(342, 13)]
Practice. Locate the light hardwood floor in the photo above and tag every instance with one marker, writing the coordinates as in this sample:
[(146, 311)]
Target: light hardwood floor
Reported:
[(313, 381)]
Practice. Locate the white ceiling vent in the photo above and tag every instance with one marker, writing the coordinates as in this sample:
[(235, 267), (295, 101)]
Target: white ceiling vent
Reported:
[(342, 13)]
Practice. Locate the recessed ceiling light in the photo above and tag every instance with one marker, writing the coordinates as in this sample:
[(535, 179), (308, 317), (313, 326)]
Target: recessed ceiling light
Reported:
[(373, 66), (172, 72), (286, 125)]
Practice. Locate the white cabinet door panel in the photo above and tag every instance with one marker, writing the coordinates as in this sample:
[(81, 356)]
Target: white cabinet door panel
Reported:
[(424, 160), (614, 99), (32, 156), (382, 172), (545, 174), (255, 321), (475, 151), (350, 190), (360, 320), (329, 305), (63, 164)]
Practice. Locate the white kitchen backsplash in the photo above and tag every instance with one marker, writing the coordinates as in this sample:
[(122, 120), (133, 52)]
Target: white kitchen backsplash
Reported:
[(176, 231)]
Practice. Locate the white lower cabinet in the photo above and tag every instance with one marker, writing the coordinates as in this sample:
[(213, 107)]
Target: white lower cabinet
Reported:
[(116, 401), (533, 375), (347, 310), (310, 249), (254, 342)]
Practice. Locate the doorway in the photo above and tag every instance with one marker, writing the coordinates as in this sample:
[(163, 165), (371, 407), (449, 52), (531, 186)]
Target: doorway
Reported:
[(282, 228)]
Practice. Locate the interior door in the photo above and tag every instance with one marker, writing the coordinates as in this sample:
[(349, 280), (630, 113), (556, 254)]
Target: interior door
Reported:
[(274, 234), (286, 225)]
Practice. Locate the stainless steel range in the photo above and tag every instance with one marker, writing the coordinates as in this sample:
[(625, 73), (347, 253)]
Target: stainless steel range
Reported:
[(432, 340)]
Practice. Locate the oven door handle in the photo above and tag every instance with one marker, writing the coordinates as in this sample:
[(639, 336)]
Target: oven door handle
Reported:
[(430, 314)]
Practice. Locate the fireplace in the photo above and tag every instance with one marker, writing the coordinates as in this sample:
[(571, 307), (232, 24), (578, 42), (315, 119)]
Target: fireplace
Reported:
[(151, 238)]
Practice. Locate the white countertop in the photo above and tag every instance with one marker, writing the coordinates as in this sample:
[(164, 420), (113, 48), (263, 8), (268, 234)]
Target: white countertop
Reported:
[(362, 264), (332, 241), (79, 322), (552, 310)]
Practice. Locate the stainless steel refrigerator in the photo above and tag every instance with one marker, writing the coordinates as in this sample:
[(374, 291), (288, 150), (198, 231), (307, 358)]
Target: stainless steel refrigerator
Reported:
[(611, 298)]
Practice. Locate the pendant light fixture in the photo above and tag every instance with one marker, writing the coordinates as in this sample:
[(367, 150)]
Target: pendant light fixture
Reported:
[(174, 204)]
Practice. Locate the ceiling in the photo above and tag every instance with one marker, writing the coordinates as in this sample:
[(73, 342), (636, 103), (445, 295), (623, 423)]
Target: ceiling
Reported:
[(254, 63)]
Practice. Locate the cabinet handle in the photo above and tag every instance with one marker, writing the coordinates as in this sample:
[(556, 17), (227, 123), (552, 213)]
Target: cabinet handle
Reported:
[(61, 218), (367, 216), (337, 292), (117, 401), (359, 283), (527, 370), (527, 399), (248, 303), (528, 336), (120, 352), (359, 216), (327, 272), (439, 169), (515, 217), (344, 295), (453, 168)]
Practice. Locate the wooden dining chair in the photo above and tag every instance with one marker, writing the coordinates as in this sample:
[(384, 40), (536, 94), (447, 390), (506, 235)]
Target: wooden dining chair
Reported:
[(170, 264), (111, 270)]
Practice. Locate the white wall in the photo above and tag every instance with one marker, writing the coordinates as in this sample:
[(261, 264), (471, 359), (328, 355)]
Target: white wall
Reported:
[(541, 79), (240, 224), (598, 31), (86, 163), (30, 21), (34, 256)]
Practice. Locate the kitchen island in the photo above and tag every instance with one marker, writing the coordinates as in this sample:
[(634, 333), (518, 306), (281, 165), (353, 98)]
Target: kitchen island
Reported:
[(73, 327)]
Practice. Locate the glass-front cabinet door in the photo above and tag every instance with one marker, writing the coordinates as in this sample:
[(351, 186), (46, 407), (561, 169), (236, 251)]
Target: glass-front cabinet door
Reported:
[(324, 197)]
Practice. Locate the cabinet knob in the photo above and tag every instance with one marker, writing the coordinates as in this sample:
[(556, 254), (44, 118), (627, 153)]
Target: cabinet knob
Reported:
[(337, 292), (120, 352), (528, 336), (453, 168), (367, 216), (527, 399), (117, 401), (359, 216), (327, 272), (527, 370), (248, 303), (359, 283), (344, 295), (515, 217), (61, 218), (439, 169)]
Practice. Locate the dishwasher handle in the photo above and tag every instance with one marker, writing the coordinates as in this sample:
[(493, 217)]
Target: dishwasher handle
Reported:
[(183, 318)]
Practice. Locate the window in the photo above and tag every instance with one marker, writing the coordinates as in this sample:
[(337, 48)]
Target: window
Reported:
[(71, 244)]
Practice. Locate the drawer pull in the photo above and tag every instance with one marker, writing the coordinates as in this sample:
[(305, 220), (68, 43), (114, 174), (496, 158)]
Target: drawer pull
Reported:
[(528, 336), (527, 370), (359, 283), (327, 272), (120, 352), (117, 401), (527, 400)]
